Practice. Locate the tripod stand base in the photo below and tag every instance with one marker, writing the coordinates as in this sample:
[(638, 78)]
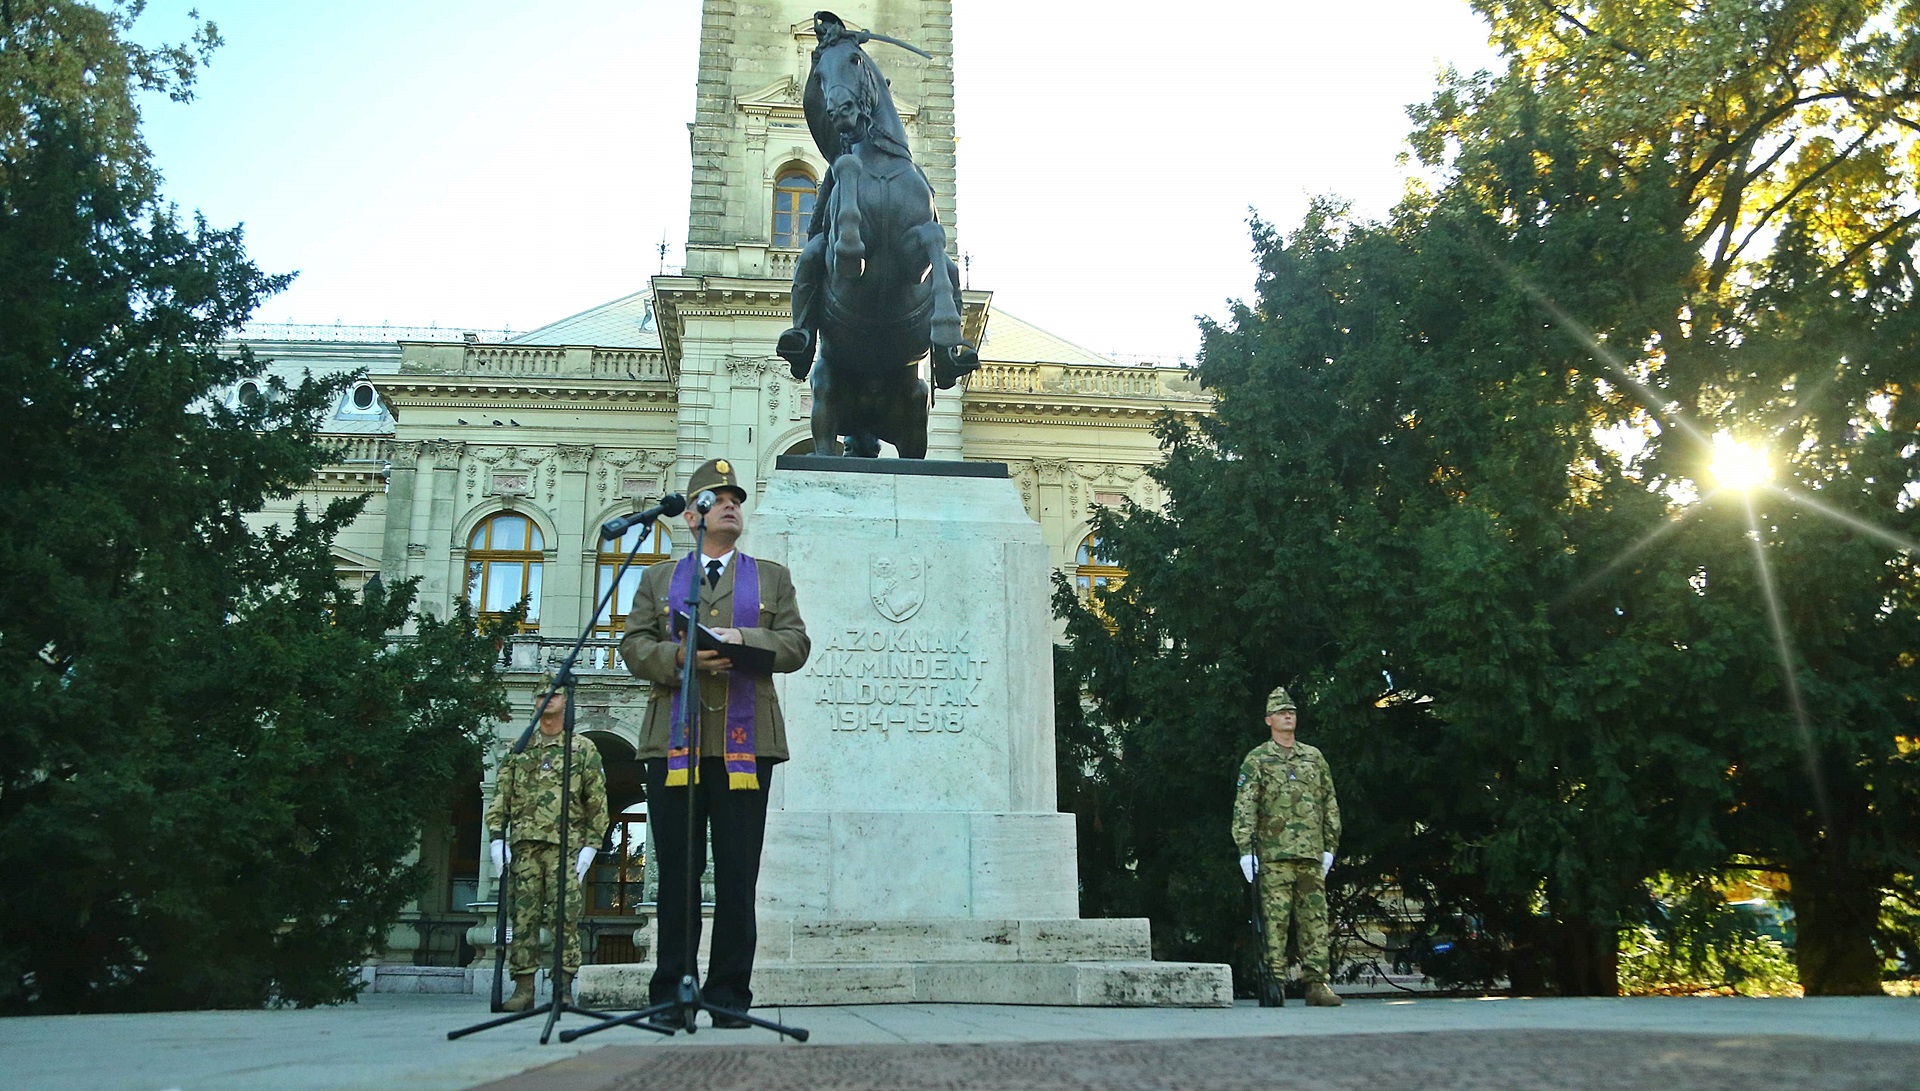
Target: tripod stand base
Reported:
[(687, 1005), (553, 1010)]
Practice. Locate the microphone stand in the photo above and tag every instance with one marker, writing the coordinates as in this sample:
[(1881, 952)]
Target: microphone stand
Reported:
[(689, 999), (553, 1008)]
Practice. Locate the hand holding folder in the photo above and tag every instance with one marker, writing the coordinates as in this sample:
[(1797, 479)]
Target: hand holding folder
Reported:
[(743, 657)]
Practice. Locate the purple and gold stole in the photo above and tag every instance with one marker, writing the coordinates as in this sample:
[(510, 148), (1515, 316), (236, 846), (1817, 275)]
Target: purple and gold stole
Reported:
[(742, 770)]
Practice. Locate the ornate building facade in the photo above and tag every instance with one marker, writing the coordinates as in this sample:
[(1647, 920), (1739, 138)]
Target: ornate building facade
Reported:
[(490, 460)]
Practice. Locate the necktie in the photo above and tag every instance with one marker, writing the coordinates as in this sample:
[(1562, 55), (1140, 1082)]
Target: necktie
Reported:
[(713, 573)]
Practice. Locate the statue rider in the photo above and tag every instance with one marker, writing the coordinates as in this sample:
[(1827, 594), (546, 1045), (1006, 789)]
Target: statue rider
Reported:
[(799, 344)]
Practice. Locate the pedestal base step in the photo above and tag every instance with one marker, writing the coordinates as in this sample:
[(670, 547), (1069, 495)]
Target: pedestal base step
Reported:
[(937, 939), (1119, 984), (421, 979)]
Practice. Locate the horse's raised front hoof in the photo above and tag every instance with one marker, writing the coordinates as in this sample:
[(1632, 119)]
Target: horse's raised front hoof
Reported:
[(952, 362), (796, 348)]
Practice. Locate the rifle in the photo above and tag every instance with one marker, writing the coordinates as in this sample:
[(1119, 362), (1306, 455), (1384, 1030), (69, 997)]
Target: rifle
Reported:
[(1265, 987)]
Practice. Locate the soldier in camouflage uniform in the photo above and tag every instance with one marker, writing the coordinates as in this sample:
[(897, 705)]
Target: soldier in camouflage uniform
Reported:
[(526, 804), (1286, 822)]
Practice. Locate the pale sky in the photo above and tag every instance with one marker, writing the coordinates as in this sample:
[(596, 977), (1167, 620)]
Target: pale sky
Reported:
[(495, 164)]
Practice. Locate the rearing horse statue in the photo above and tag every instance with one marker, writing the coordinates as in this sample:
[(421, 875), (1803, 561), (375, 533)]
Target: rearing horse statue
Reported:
[(874, 291)]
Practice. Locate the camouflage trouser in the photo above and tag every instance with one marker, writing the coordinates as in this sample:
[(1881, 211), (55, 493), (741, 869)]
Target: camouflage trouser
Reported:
[(536, 868), (1295, 891)]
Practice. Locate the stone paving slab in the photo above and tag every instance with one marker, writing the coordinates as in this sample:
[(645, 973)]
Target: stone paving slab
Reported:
[(1496, 1060), (398, 1042)]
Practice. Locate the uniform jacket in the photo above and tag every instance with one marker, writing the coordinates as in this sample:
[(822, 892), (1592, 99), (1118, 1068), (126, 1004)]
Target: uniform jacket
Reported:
[(1288, 801), (648, 651), (526, 794)]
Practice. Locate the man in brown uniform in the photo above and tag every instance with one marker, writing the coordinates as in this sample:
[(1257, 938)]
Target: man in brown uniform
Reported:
[(1286, 822), (526, 804), (744, 600)]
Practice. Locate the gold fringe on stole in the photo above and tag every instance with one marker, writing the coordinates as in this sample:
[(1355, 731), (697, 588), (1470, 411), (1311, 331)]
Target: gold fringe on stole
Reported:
[(676, 778), (744, 780)]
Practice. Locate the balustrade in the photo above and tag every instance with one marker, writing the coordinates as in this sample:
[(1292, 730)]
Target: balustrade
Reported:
[(536, 361), (646, 365), (1014, 378), (359, 449), (510, 360), (530, 652), (1112, 382)]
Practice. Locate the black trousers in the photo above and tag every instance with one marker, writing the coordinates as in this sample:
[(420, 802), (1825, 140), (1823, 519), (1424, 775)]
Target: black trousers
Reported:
[(737, 819)]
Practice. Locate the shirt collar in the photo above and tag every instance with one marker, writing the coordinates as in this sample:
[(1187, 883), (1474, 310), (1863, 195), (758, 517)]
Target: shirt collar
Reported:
[(725, 562)]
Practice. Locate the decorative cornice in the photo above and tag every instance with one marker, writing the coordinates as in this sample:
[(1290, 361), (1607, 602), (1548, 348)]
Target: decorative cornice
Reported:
[(444, 395), (1040, 410), (445, 453), (406, 455), (748, 369)]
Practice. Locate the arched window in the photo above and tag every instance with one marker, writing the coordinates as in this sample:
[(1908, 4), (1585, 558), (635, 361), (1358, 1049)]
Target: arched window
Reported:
[(654, 546), (503, 566), (1094, 572), (793, 196)]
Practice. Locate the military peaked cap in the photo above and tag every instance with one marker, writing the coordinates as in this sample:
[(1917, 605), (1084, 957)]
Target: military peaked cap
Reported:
[(715, 474)]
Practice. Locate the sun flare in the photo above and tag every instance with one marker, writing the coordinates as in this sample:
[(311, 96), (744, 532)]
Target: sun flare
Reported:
[(1739, 466)]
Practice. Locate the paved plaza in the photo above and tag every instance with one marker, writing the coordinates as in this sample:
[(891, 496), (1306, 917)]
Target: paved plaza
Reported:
[(398, 1043)]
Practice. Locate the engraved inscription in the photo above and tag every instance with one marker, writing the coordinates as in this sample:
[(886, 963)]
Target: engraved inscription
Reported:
[(918, 681)]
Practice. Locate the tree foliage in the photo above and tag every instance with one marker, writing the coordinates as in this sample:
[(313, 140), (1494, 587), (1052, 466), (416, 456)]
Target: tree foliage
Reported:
[(75, 58), (1455, 489), (215, 761)]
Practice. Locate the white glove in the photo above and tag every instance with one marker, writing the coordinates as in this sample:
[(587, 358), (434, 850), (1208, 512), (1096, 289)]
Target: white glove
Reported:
[(1248, 865), (586, 861), (1326, 862), (500, 857)]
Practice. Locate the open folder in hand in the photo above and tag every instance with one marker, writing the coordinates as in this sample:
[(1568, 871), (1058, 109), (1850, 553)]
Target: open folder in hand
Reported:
[(742, 657)]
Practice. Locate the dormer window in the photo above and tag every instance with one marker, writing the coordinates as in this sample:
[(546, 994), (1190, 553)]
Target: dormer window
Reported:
[(793, 196)]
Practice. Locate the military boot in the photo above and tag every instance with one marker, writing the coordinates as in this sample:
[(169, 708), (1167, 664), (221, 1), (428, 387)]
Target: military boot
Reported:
[(1320, 996), (563, 987), (522, 997)]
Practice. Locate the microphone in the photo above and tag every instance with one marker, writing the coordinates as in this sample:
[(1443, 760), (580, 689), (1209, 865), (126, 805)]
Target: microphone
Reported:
[(671, 504), (704, 502)]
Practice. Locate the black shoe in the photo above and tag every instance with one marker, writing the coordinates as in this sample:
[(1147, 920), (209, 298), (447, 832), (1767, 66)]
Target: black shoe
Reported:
[(723, 1021), (796, 347), (672, 1019), (953, 362)]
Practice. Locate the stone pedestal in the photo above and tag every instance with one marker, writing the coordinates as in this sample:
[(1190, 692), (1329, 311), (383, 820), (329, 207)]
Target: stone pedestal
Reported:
[(914, 849)]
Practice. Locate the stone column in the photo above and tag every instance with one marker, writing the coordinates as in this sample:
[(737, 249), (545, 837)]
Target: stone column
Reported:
[(399, 516), (694, 434), (567, 589), (435, 594), (943, 426), (489, 887), (745, 431)]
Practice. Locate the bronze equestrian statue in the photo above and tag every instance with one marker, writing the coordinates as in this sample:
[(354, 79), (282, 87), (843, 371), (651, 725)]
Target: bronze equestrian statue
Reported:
[(874, 291)]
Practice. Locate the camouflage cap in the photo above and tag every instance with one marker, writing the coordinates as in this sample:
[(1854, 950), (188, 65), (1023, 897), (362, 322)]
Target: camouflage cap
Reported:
[(1278, 700), (546, 683), (715, 474)]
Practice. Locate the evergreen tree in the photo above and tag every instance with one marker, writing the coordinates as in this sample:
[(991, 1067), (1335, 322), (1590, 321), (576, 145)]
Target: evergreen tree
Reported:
[(1455, 490), (215, 760)]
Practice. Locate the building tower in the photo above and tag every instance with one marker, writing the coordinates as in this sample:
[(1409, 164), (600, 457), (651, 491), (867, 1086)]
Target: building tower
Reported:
[(755, 171)]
